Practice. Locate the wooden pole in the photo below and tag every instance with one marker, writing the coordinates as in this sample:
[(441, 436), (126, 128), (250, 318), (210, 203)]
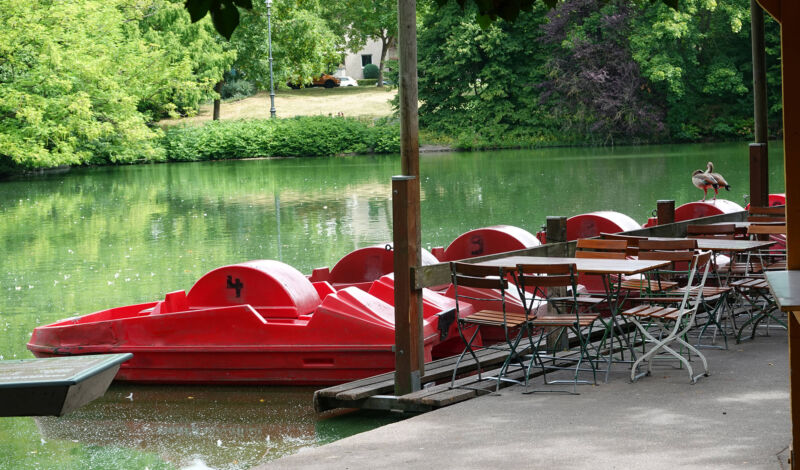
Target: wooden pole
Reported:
[(759, 175), (409, 355), (759, 163), (556, 230), (665, 211)]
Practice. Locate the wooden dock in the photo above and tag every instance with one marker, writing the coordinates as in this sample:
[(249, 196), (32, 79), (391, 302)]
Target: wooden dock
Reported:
[(376, 393)]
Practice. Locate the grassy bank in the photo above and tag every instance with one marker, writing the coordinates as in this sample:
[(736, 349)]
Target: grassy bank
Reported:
[(359, 102)]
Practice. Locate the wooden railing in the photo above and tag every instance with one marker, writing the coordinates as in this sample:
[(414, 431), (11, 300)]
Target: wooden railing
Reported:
[(439, 274)]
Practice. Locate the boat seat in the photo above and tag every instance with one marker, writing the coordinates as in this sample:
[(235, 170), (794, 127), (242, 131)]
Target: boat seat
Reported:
[(173, 302)]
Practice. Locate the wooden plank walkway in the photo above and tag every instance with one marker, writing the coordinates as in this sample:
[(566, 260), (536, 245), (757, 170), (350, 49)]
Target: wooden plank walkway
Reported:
[(375, 392)]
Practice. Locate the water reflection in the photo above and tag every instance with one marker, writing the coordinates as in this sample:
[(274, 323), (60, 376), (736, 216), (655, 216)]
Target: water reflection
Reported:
[(198, 427), (95, 238)]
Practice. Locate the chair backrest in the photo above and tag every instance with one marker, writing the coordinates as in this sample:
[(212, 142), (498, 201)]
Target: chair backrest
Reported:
[(772, 211), (668, 244), (700, 262), (597, 248), (723, 231), (633, 241), (473, 283), (766, 229), (678, 251), (539, 279), (478, 276), (766, 218)]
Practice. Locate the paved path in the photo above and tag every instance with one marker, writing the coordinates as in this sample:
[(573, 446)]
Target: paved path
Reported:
[(736, 418)]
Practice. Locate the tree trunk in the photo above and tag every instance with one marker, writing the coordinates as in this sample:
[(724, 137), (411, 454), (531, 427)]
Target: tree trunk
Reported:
[(384, 46), (218, 89)]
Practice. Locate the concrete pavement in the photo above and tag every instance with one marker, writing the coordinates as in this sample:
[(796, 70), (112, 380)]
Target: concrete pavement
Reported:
[(736, 418)]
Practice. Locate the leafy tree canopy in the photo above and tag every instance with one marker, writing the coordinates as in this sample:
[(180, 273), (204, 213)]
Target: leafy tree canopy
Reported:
[(225, 15)]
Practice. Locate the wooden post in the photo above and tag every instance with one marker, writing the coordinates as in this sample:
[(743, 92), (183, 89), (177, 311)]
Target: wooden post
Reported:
[(409, 357), (787, 13), (757, 47), (759, 167), (759, 175), (556, 231), (665, 211), (407, 300)]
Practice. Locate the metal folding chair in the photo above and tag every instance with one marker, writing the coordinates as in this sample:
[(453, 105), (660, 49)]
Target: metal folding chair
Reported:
[(672, 323), (468, 282), (556, 284)]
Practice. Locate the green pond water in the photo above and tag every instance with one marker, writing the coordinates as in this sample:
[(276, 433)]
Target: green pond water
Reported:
[(88, 239)]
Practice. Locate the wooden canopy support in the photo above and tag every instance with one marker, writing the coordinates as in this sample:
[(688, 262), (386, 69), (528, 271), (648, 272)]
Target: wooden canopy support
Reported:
[(787, 13), (409, 357)]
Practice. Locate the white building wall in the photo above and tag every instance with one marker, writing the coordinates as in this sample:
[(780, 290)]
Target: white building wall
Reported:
[(352, 62)]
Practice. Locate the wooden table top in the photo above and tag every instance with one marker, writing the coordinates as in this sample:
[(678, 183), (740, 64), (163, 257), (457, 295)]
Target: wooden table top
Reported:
[(785, 287), (724, 244), (584, 265), (721, 244), (746, 224)]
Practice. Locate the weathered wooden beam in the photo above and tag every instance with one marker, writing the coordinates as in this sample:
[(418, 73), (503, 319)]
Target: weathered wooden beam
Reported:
[(407, 299), (759, 175), (439, 274), (773, 7), (410, 359)]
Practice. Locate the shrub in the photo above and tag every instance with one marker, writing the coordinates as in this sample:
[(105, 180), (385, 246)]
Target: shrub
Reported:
[(296, 137), (371, 71), (237, 89), (367, 82)]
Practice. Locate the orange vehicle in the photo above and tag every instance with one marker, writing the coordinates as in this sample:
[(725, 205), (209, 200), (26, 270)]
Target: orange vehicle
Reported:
[(326, 80)]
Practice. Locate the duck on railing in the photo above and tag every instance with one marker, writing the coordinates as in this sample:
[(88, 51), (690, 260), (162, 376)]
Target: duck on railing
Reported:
[(708, 179)]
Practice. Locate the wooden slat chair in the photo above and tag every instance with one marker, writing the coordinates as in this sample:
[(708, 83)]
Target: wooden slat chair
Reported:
[(672, 323), (756, 292), (560, 315), (721, 266), (597, 248), (677, 251), (469, 277), (770, 259)]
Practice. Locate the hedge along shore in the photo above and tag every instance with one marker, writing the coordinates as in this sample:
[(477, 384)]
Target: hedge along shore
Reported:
[(308, 136)]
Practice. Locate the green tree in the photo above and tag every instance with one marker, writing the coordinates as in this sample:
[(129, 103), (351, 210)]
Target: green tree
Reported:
[(195, 47), (71, 75), (474, 79), (360, 20), (698, 62), (303, 45)]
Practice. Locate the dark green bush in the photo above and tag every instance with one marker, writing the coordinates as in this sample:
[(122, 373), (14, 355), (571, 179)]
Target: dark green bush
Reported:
[(367, 81), (236, 89), (296, 137), (371, 71)]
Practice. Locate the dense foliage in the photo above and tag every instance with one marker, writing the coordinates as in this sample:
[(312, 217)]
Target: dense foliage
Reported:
[(79, 81), (595, 72), (298, 137), (85, 81)]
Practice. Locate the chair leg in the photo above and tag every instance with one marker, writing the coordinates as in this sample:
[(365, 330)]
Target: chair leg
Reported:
[(468, 347)]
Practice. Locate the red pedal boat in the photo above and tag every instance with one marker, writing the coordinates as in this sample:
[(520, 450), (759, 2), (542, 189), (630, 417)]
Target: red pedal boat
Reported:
[(260, 322)]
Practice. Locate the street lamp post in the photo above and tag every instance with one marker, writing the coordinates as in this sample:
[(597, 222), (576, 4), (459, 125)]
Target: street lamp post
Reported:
[(269, 41)]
